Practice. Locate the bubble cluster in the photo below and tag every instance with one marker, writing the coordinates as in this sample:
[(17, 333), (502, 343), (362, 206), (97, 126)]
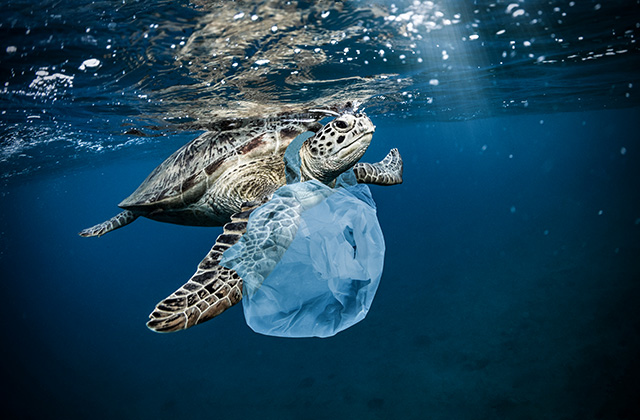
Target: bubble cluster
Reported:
[(46, 84)]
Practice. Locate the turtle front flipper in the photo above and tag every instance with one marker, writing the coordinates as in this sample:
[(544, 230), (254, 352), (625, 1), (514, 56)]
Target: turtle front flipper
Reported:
[(211, 290), (386, 172), (117, 221)]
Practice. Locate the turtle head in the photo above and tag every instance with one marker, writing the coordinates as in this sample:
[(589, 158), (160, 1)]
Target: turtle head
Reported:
[(335, 148)]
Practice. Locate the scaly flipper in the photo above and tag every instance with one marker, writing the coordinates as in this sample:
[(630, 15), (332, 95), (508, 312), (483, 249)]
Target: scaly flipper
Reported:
[(211, 290), (386, 172), (117, 221)]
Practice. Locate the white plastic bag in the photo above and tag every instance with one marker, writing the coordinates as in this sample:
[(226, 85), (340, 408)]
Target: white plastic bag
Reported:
[(311, 260)]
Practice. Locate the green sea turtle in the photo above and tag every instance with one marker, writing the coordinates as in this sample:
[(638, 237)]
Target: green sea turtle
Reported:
[(220, 177)]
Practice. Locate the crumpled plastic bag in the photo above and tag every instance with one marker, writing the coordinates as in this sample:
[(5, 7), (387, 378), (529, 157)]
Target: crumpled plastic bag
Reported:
[(311, 260)]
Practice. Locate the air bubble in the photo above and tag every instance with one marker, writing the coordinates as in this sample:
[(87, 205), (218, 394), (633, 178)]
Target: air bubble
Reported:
[(91, 63)]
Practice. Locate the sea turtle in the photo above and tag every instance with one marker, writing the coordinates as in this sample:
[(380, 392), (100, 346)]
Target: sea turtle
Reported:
[(221, 176)]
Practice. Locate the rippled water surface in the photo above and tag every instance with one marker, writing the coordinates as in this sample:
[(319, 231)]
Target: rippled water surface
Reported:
[(510, 283), (93, 77)]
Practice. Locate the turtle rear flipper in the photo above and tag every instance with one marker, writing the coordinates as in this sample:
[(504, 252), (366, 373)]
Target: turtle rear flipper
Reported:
[(117, 221), (386, 172), (211, 290)]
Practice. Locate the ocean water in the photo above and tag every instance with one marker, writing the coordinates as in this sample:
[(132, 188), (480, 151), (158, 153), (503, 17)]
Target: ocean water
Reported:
[(511, 279)]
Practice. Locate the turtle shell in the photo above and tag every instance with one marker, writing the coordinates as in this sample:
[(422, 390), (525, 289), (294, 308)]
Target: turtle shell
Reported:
[(185, 175)]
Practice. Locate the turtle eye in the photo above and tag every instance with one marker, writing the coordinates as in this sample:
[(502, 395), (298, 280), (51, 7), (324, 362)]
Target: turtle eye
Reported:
[(341, 124)]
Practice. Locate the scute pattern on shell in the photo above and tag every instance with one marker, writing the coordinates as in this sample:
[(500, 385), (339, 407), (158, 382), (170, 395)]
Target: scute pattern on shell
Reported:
[(182, 178)]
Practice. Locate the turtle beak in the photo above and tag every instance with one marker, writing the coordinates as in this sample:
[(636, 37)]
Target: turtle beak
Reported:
[(357, 147)]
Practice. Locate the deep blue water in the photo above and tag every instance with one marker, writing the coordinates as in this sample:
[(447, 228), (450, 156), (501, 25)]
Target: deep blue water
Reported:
[(511, 281)]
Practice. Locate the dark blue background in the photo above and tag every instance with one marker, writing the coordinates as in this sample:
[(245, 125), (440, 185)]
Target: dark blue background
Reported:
[(505, 293)]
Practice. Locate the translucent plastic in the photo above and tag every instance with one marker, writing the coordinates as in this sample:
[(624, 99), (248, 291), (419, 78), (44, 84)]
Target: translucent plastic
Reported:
[(311, 260)]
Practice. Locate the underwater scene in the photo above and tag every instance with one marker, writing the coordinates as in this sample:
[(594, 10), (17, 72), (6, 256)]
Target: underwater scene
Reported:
[(487, 269)]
